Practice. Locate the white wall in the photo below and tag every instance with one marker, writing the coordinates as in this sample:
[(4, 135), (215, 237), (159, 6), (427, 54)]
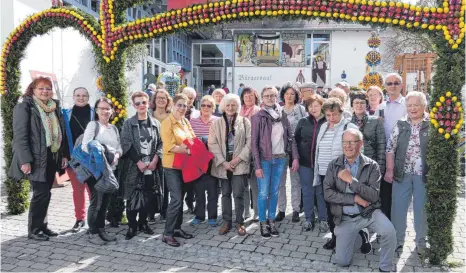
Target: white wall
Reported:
[(348, 51)]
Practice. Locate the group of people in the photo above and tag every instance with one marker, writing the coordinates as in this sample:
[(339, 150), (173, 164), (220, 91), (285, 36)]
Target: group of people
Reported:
[(355, 159)]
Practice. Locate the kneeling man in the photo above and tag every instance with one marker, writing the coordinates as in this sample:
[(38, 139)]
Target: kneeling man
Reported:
[(351, 186)]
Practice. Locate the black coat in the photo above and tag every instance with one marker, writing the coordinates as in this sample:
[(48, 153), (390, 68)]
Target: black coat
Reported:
[(374, 140), (29, 144), (306, 133)]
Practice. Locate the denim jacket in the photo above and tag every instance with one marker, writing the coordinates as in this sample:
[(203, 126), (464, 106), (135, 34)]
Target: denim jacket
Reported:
[(87, 164)]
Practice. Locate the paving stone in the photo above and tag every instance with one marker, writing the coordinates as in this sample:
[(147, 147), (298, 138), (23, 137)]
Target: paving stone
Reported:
[(245, 247), (263, 249), (281, 252), (318, 257), (227, 245), (297, 254), (39, 266), (9, 267), (202, 267)]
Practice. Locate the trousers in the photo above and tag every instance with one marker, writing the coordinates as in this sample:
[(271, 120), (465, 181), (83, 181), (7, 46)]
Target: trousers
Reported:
[(234, 185), (176, 188), (295, 191), (312, 194), (412, 187), (79, 195), (209, 184), (268, 187), (347, 232), (250, 194), (41, 195), (97, 208)]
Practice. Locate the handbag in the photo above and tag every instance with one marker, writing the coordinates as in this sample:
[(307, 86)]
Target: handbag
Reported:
[(138, 199)]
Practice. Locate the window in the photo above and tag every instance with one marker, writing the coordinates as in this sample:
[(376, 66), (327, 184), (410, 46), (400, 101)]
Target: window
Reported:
[(212, 51), (83, 2), (95, 5), (139, 14)]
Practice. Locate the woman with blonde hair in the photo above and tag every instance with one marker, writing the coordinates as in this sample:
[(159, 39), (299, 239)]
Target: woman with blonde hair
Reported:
[(162, 104)]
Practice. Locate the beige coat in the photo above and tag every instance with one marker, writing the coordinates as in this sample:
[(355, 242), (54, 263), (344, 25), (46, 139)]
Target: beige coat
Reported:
[(242, 146)]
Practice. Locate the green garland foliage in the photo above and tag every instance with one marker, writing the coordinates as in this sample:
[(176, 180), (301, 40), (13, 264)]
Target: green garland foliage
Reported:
[(442, 156)]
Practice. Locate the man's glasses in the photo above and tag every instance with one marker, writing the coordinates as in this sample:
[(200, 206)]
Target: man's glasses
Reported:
[(392, 83), (206, 105), (350, 143), (140, 102)]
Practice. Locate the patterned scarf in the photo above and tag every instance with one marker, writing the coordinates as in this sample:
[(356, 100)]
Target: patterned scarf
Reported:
[(51, 124), (359, 122)]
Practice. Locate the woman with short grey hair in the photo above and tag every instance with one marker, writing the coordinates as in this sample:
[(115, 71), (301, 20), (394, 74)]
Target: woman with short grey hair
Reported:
[(407, 167), (218, 95), (341, 95), (192, 112), (230, 142)]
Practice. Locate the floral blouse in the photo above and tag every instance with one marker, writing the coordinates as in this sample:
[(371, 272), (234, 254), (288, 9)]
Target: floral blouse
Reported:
[(413, 162)]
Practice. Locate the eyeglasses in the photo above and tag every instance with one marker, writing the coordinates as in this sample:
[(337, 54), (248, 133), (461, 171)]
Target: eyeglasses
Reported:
[(392, 83), (206, 105), (44, 89), (104, 108), (140, 102), (359, 103), (179, 105), (350, 143), (272, 96)]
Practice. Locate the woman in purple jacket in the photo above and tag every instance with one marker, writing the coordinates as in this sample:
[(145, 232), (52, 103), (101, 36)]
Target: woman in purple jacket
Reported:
[(271, 142)]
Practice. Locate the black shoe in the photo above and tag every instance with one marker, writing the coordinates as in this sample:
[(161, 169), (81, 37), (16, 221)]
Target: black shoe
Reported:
[(272, 228), (105, 236), (131, 233), (77, 226), (280, 216), (114, 223), (182, 234), (38, 237), (145, 227), (295, 218), (151, 219), (330, 244), (49, 232), (309, 226), (170, 240), (366, 246), (265, 230)]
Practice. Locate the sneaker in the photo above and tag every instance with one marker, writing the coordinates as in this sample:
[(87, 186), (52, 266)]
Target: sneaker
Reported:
[(295, 218), (308, 226), (106, 236), (255, 218), (195, 222), (265, 230), (247, 215), (366, 246), (280, 216), (323, 226), (212, 222), (77, 226), (273, 229)]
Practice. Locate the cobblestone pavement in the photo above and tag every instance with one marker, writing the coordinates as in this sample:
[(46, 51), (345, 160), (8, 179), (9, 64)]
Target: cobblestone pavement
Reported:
[(293, 250)]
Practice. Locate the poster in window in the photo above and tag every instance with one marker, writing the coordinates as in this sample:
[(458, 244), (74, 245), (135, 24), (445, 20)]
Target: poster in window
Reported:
[(267, 50), (292, 52), (244, 50), (321, 59)]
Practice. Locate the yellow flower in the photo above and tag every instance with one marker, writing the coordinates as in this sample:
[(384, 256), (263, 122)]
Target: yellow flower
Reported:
[(442, 99), (441, 131), (438, 104), (448, 94), (454, 99)]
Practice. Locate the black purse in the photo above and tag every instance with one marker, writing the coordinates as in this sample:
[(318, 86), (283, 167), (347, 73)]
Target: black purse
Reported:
[(138, 196)]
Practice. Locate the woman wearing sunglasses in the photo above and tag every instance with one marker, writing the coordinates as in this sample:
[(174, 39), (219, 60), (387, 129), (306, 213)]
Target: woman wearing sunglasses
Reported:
[(201, 126), (142, 150), (175, 129)]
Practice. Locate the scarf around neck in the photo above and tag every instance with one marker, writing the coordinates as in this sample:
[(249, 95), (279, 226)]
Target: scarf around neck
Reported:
[(50, 122), (274, 111)]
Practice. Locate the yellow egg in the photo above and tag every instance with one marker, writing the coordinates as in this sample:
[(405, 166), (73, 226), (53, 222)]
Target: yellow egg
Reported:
[(113, 99), (442, 99), (458, 104), (433, 121), (447, 136), (454, 131), (432, 115), (448, 94), (454, 98), (115, 119), (441, 131), (438, 104), (109, 96)]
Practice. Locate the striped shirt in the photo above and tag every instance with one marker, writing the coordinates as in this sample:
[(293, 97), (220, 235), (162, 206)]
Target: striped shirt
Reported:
[(325, 150), (200, 128)]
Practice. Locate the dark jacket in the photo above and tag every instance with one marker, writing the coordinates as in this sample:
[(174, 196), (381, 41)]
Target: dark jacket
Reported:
[(365, 184), (261, 139), (374, 140), (128, 170), (29, 144), (305, 135), (402, 148)]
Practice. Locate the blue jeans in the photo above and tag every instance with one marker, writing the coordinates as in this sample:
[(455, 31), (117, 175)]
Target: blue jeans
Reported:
[(310, 192), (269, 187)]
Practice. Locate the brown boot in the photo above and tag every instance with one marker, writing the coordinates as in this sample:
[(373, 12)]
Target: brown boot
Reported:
[(241, 230), (224, 229)]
